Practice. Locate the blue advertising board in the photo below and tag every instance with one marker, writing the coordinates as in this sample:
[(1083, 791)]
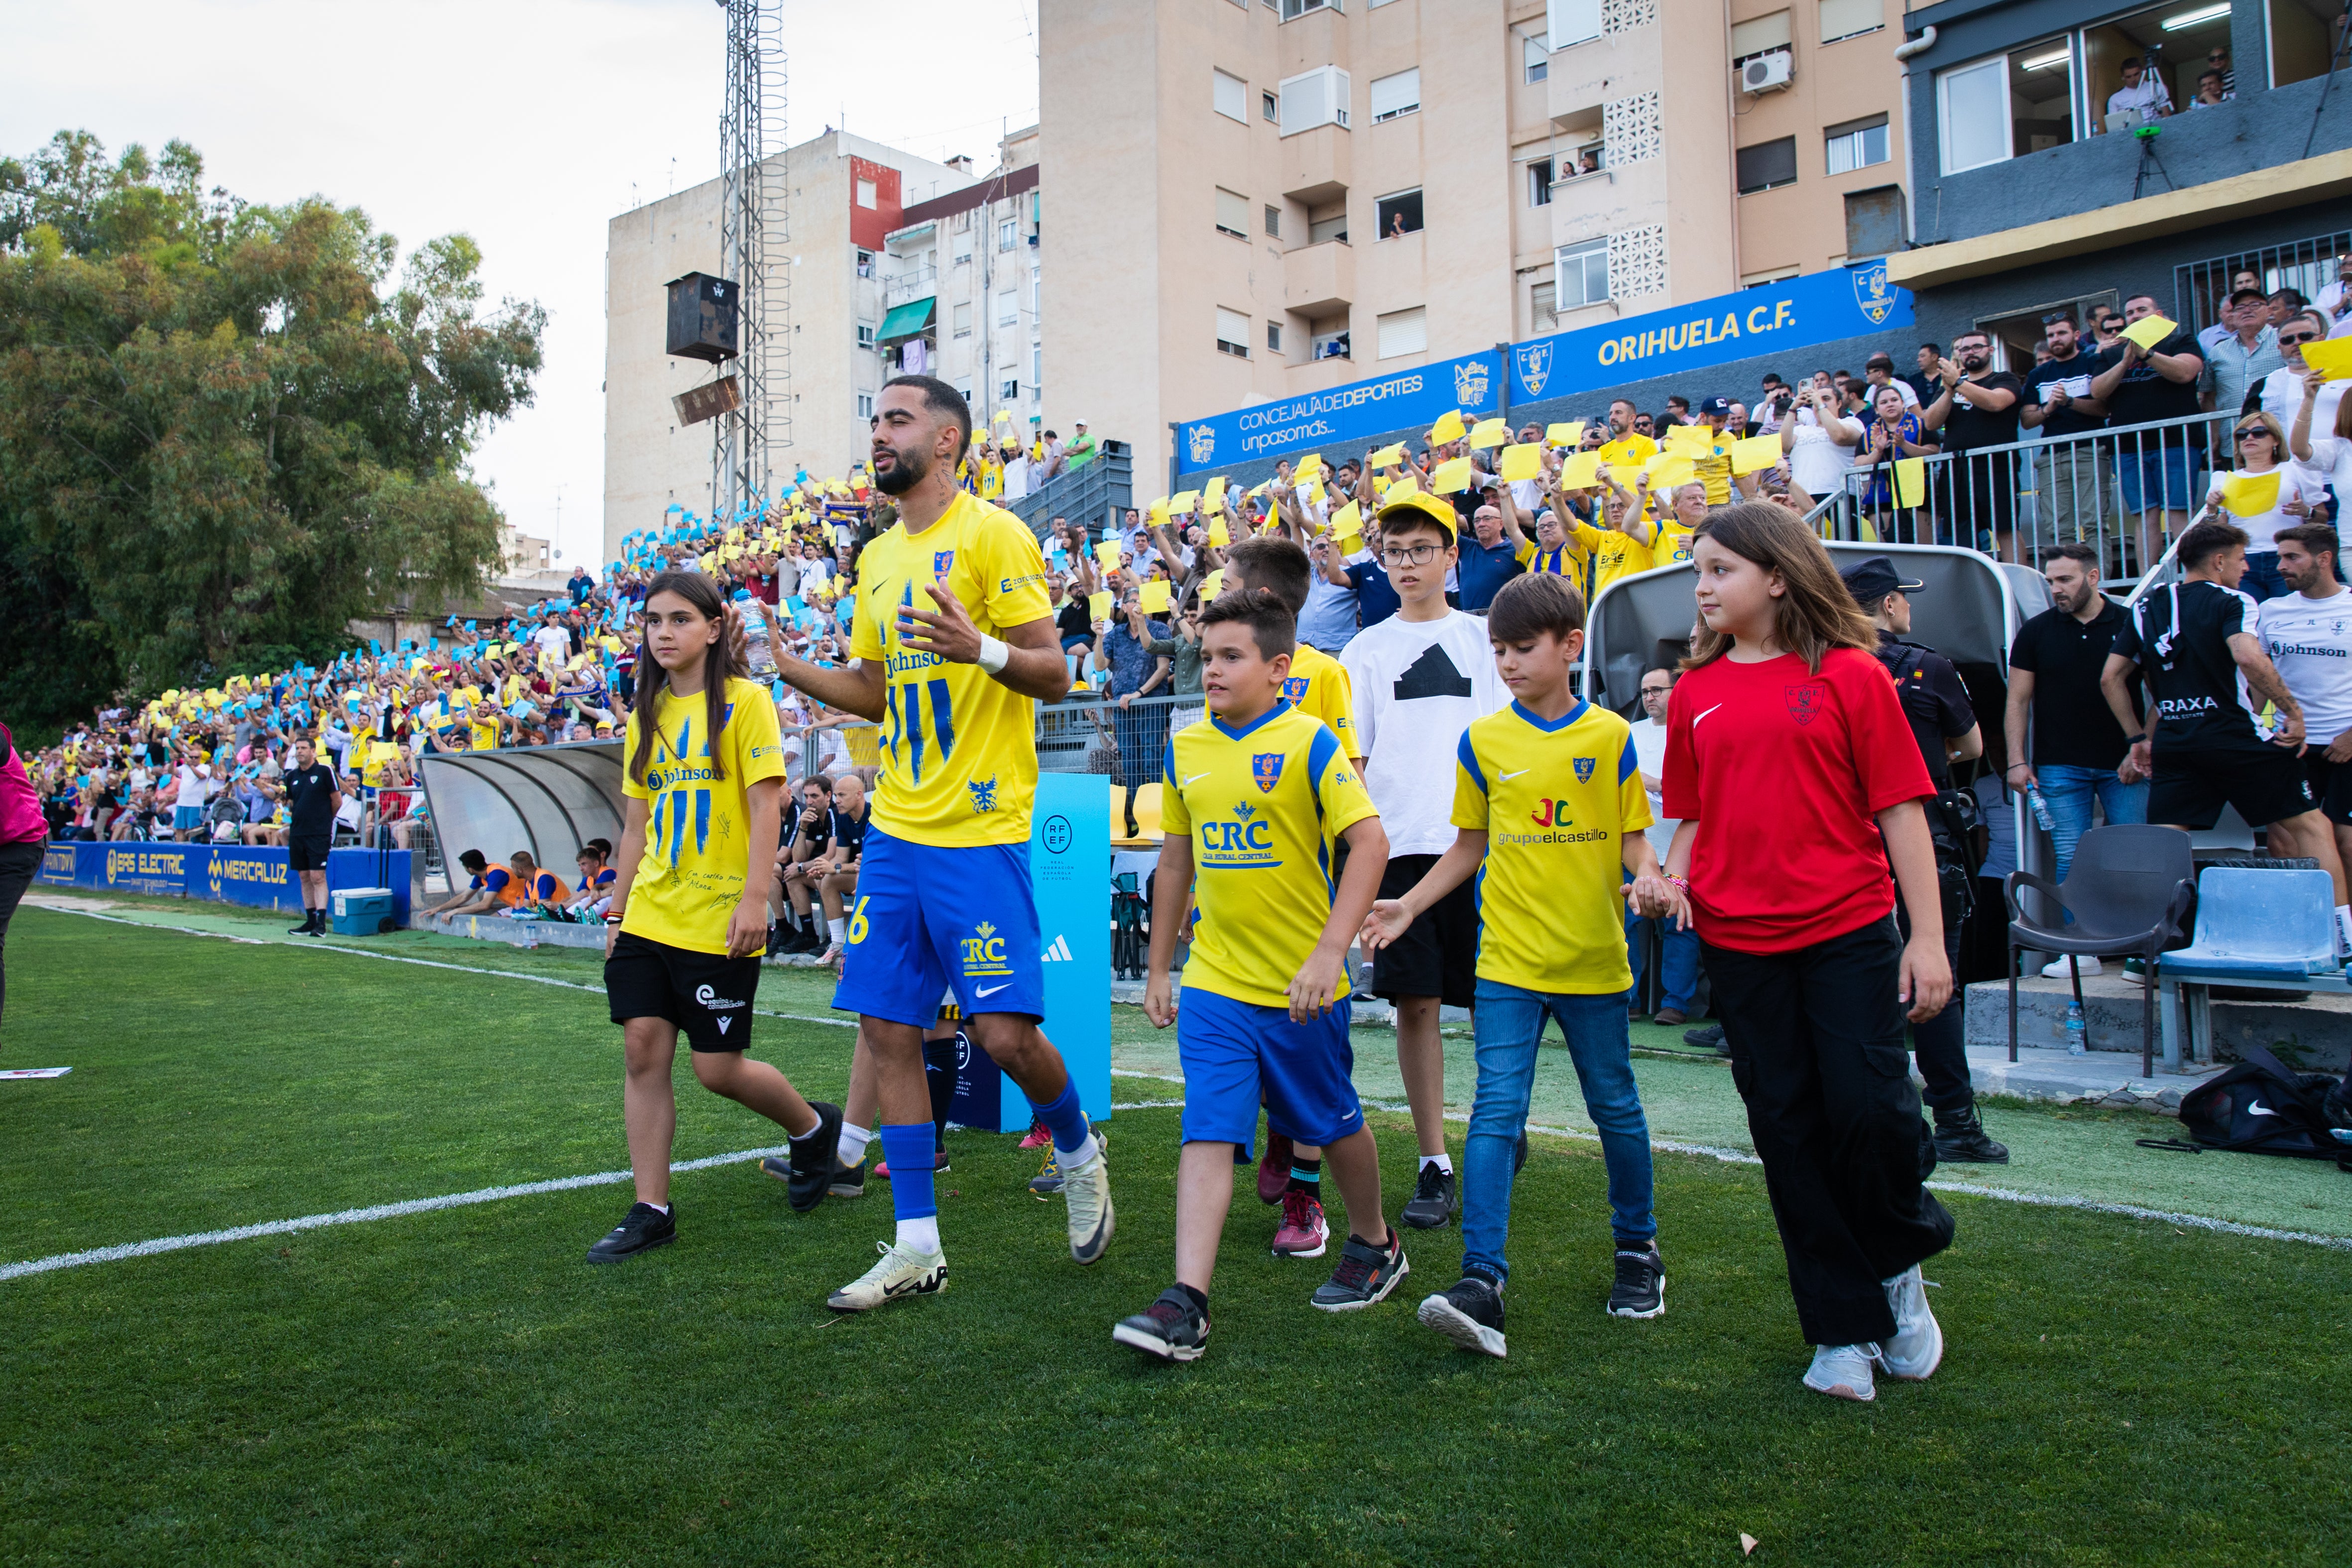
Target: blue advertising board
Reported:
[(227, 873), (1473, 383), (1069, 874), (1820, 308)]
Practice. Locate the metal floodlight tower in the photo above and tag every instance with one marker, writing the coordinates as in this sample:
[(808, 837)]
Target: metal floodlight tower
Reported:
[(754, 250)]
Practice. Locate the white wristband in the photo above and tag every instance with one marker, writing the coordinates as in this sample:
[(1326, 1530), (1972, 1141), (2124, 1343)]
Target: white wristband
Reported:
[(993, 655)]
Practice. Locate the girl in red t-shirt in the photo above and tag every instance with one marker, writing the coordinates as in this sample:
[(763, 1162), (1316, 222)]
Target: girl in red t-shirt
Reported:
[(1796, 778)]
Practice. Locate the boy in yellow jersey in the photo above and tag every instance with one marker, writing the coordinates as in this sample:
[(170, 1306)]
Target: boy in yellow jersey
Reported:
[(952, 639), (702, 773), (1316, 684), (1254, 802), (1549, 806)]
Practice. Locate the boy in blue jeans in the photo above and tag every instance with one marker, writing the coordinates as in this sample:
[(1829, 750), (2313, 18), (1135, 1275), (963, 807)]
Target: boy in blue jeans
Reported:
[(1549, 809)]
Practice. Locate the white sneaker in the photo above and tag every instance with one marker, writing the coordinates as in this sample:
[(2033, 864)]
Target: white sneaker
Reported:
[(901, 1272), (2058, 970), (1917, 1347), (1087, 1192), (1843, 1372)]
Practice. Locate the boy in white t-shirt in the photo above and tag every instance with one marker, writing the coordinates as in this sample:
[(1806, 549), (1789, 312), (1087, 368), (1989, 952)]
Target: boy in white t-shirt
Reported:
[(1420, 677)]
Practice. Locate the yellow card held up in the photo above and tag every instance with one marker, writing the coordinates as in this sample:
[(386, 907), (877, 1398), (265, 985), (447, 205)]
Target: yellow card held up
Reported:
[(1213, 584), (1387, 456), (1403, 485), (1212, 494), (1567, 434), (1581, 472), (1910, 482), (2251, 495), (1219, 535), (2150, 330), (1099, 606), (1449, 427), (1489, 433), (2332, 356), (1347, 519), (1668, 469), (1182, 502), (1754, 454), (1107, 552), (1154, 597), (1522, 463), (1158, 514), (1689, 438), (1452, 475), (1308, 467)]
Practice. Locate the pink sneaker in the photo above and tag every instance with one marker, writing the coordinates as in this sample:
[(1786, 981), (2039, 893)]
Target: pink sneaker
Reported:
[(1303, 1233), (1274, 1167), (1038, 1137)]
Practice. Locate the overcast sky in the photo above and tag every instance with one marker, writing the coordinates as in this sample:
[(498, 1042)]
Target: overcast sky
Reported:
[(527, 125)]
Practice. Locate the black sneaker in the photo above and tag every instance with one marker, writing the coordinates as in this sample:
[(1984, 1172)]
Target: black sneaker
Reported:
[(1962, 1140), (1365, 1275), (1471, 1315), (643, 1228), (1641, 1288), (814, 1158), (849, 1181), (1433, 1199), (1519, 1153), (1709, 1038), (799, 939), (1171, 1328), (308, 928)]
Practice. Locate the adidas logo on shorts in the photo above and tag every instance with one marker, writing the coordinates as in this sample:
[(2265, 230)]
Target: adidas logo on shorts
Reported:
[(1058, 952)]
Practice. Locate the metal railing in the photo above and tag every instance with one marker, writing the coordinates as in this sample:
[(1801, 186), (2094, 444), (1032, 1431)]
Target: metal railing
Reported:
[(1092, 495), (2305, 266), (906, 286), (2127, 492)]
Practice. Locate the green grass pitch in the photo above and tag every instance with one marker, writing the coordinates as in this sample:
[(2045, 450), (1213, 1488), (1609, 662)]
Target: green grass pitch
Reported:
[(457, 1387)]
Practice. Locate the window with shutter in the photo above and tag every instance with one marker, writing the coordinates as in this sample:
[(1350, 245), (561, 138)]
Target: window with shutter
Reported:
[(1405, 333), (1396, 95), (1851, 18), (1767, 165), (1571, 22), (1233, 213), (1233, 332), (1232, 96)]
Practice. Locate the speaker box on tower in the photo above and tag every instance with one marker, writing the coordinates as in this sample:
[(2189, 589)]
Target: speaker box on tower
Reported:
[(703, 317)]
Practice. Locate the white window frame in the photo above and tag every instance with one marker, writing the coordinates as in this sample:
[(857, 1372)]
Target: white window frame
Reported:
[(1224, 86), (1999, 64), (870, 195), (962, 248), (1294, 9), (1236, 323), (865, 406), (1233, 213), (1858, 144), (1270, 106), (1877, 26), (1008, 307), (960, 321), (1579, 251), (865, 334), (1536, 58), (1390, 331), (1402, 92), (1008, 391), (1334, 87), (1541, 175), (1008, 232), (1567, 23), (1273, 337)]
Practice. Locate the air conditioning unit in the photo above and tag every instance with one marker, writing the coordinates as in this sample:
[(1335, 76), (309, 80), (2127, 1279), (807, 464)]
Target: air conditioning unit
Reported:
[(1767, 73)]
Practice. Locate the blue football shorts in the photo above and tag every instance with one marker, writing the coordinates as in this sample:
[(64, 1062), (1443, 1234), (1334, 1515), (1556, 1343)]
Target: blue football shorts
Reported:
[(928, 921), (1231, 1050)]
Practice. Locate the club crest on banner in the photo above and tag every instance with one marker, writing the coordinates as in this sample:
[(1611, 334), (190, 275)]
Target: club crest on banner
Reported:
[(1870, 295), (1471, 383), (1266, 768), (1201, 444), (1535, 366)]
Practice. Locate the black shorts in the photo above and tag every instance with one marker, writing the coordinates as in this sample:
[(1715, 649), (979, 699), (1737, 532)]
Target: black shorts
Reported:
[(1438, 955), (708, 995), (2266, 786), (2331, 784), (308, 851)]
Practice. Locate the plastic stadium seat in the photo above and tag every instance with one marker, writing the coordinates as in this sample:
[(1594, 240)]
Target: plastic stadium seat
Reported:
[(2277, 924), (2129, 888), (1147, 817)]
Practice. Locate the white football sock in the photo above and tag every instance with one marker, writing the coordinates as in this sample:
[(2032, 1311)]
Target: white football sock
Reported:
[(839, 929), (663, 1207), (1442, 1161), (1079, 1158), (852, 1147), (919, 1235)]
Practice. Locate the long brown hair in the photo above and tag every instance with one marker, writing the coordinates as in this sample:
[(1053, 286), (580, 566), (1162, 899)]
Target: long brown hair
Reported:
[(724, 658), (1815, 614)]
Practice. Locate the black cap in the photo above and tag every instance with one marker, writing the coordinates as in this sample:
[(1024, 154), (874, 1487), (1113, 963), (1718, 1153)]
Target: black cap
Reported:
[(1871, 580)]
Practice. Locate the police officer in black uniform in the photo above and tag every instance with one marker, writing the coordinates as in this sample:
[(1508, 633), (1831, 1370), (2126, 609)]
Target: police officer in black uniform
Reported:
[(1945, 725)]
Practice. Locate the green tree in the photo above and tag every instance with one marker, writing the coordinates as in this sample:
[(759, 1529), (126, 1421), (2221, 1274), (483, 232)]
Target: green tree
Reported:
[(225, 426)]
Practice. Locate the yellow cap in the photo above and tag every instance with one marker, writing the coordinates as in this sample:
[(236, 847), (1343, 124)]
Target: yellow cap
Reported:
[(1421, 504)]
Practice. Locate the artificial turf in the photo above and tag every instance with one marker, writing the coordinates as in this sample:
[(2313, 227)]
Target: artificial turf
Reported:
[(459, 1386)]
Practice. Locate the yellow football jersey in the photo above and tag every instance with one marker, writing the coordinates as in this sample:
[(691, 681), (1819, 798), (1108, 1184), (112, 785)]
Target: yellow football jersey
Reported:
[(1554, 797), (958, 746), (698, 837), (1317, 686), (1614, 554), (1263, 805)]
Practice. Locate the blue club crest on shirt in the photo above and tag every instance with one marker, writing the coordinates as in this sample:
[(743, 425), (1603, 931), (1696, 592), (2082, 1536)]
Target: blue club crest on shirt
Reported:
[(1266, 768), (1294, 691), (1584, 766), (984, 792), (940, 561)]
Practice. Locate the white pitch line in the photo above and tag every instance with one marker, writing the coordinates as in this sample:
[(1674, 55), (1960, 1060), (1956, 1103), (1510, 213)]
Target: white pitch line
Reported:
[(355, 1216)]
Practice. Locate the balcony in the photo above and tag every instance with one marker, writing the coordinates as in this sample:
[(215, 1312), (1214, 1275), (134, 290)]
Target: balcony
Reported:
[(1320, 279), (899, 288), (1318, 165)]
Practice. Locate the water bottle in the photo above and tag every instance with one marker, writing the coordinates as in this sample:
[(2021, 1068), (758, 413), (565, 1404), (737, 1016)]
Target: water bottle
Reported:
[(2040, 808), (2078, 1032)]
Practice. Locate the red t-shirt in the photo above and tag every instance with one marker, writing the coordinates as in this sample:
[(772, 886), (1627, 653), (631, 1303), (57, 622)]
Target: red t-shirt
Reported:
[(1786, 772)]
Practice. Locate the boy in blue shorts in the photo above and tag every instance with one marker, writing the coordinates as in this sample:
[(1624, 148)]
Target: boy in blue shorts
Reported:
[(1254, 803), (1549, 808)]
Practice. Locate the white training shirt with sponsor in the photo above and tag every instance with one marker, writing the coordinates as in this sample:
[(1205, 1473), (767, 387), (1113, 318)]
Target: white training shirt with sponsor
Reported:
[(2310, 640)]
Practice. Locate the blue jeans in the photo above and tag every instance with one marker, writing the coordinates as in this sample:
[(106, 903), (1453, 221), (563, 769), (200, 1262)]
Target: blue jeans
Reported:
[(1507, 1023), (2069, 789), (2263, 579), (1677, 962)]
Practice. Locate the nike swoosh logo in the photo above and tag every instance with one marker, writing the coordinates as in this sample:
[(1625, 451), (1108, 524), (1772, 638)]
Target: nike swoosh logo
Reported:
[(2256, 1108), (1694, 721), (1508, 777), (991, 990), (1196, 778)]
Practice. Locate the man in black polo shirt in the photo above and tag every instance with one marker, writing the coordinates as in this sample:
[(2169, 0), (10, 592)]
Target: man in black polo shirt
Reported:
[(2198, 644), (312, 797), (2078, 751), (1976, 406)]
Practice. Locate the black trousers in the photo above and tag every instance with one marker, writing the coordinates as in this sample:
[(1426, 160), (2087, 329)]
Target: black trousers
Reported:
[(18, 862), (1816, 1039), (1941, 1043)]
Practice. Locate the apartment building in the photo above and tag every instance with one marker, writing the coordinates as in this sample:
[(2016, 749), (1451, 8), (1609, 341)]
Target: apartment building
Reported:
[(848, 196), (1267, 199)]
